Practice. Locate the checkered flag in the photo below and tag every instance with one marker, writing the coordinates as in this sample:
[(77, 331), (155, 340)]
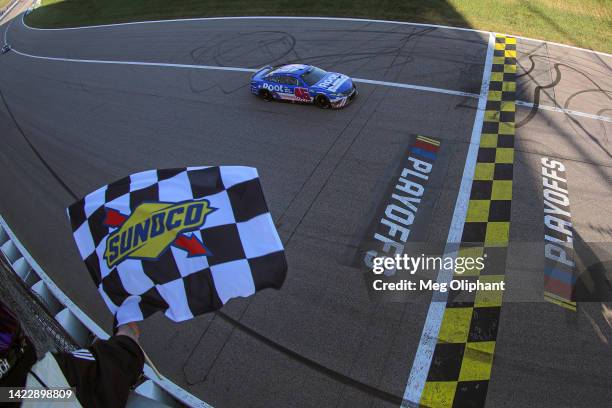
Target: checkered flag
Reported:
[(184, 241)]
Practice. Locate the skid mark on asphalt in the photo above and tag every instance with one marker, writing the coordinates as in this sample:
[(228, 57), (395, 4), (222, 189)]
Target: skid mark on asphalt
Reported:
[(377, 53), (357, 80), (461, 365), (34, 149), (557, 79)]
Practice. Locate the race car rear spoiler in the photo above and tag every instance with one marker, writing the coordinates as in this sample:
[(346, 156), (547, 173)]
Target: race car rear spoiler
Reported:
[(262, 70)]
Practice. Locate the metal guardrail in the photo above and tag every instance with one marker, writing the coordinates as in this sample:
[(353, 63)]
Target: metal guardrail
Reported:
[(155, 391), (8, 8)]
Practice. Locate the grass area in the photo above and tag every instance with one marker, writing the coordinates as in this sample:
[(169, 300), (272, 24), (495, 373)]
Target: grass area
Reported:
[(584, 23)]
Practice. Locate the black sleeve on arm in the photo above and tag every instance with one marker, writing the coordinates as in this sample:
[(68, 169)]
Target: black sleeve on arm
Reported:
[(103, 374)]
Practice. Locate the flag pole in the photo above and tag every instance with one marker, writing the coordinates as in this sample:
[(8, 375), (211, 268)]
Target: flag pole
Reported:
[(132, 330), (150, 363)]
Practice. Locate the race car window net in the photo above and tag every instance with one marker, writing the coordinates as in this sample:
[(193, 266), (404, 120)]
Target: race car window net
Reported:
[(288, 80), (313, 76)]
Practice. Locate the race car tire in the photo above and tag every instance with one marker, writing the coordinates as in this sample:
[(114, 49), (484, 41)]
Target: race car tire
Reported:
[(265, 95), (322, 102)]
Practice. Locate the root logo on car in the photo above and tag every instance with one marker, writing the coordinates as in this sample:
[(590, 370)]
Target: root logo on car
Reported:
[(332, 82), (276, 88)]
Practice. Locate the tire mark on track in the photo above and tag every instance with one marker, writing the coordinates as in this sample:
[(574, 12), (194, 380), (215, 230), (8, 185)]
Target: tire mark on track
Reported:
[(558, 76), (344, 379), (35, 150)]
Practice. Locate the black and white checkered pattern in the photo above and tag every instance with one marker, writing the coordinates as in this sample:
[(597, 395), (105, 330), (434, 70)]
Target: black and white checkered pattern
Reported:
[(246, 252)]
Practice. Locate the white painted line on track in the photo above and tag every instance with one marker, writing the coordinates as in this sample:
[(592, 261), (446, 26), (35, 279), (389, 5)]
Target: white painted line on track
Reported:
[(566, 111), (181, 20), (415, 87), (141, 63), (431, 328), (363, 20), (357, 80), (239, 69)]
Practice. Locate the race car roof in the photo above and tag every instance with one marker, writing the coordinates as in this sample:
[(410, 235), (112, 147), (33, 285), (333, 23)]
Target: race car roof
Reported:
[(295, 69)]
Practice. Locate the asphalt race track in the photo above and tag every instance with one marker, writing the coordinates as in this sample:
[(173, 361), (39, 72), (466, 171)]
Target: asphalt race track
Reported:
[(69, 127)]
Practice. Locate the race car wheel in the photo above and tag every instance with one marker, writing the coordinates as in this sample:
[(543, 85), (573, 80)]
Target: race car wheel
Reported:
[(322, 102), (265, 95)]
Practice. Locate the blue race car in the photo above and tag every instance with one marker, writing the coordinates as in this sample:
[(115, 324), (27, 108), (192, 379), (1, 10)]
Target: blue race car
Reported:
[(303, 83)]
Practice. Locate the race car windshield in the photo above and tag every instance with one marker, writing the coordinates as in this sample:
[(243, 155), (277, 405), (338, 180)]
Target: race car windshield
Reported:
[(313, 76)]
